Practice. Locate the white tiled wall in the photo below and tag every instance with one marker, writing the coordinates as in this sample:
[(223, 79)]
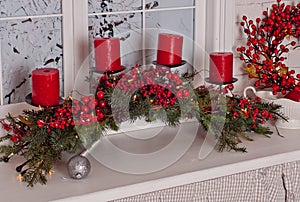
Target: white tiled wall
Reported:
[(253, 9)]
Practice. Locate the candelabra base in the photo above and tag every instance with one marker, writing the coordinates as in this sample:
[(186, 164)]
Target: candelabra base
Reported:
[(123, 68), (28, 100), (182, 68), (220, 84)]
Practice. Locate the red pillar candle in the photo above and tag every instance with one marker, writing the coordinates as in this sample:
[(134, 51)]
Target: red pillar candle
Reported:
[(45, 87), (107, 54), (220, 67), (169, 49)]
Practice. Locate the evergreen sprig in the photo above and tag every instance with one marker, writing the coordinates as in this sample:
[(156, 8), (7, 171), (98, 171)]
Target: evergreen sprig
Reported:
[(40, 147), (40, 136)]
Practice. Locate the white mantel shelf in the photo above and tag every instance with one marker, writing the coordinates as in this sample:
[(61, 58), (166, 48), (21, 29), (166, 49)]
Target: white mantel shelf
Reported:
[(104, 184)]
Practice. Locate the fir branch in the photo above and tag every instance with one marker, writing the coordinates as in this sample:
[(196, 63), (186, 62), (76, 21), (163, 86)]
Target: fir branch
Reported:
[(40, 136)]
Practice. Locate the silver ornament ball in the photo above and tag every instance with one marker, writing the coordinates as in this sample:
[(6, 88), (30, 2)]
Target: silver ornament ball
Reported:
[(79, 167)]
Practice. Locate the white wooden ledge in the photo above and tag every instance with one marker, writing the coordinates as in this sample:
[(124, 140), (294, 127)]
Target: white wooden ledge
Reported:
[(104, 184)]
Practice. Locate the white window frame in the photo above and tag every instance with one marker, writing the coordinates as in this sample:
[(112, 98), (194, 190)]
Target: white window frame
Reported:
[(220, 24), (211, 18)]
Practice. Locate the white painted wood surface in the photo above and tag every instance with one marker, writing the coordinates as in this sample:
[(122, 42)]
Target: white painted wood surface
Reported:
[(105, 184)]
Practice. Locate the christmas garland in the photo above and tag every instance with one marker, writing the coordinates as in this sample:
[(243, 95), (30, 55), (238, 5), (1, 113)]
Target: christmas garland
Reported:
[(268, 41), (40, 136)]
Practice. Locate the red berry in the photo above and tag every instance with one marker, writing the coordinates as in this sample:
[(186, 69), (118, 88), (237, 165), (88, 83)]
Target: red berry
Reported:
[(5, 126), (169, 75), (102, 104), (91, 97), (100, 115), (15, 138), (100, 94), (186, 93), (175, 76), (178, 82), (258, 99), (257, 83), (230, 86), (85, 99), (224, 90), (275, 87), (92, 104), (85, 109), (179, 94)]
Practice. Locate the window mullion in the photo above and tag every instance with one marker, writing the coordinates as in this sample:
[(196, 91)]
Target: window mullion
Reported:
[(228, 23), (144, 32), (1, 85), (68, 46), (80, 41)]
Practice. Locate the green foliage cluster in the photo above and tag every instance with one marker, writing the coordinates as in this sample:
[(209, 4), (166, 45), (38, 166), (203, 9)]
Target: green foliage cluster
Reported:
[(40, 138)]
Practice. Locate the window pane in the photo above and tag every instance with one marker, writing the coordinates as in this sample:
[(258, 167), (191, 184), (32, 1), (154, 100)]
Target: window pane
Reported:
[(127, 27), (26, 45), (150, 4), (9, 8), (182, 23), (99, 6)]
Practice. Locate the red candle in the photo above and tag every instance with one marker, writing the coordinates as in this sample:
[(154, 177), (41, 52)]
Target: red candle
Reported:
[(107, 54), (45, 87), (221, 67), (169, 49)]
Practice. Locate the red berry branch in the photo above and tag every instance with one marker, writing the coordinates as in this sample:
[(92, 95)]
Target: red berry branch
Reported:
[(268, 42), (159, 84)]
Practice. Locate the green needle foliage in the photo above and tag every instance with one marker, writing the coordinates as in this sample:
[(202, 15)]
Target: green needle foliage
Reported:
[(41, 136)]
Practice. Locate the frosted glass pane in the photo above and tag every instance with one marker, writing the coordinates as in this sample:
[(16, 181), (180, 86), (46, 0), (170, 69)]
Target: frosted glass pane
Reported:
[(150, 4), (10, 8), (125, 26), (25, 45), (182, 23), (99, 6)]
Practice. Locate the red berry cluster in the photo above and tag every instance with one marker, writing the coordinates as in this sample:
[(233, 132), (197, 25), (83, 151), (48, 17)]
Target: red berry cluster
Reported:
[(62, 118), (266, 46), (157, 83), (17, 132), (81, 113), (55, 118), (161, 95), (87, 111), (247, 109), (106, 83)]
